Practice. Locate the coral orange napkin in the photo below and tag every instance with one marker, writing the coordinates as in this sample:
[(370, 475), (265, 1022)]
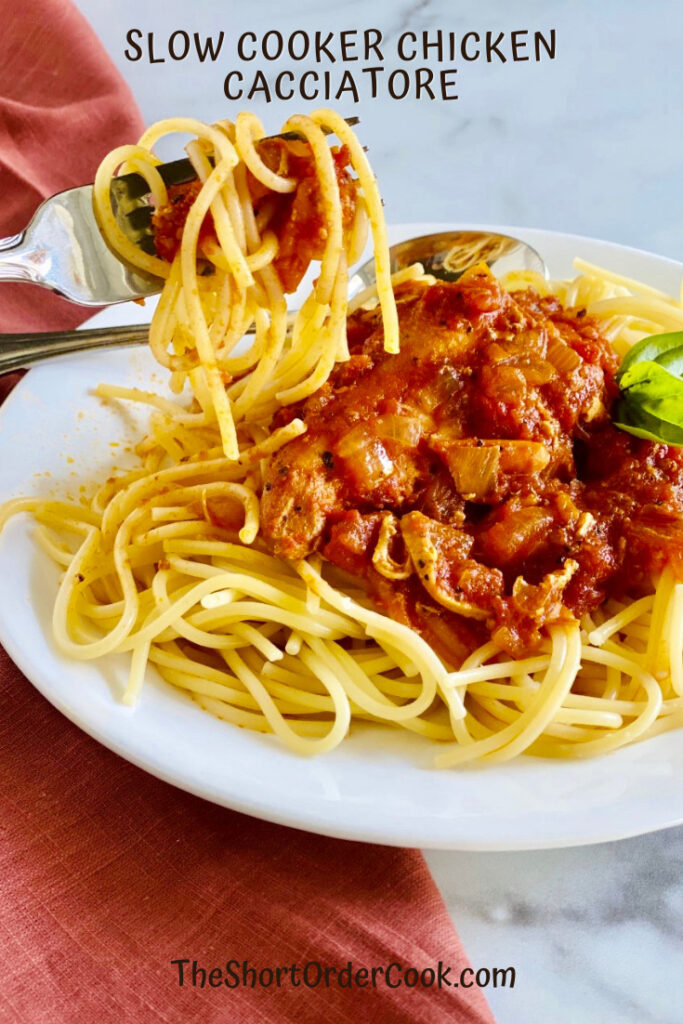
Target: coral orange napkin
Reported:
[(108, 875), (63, 106)]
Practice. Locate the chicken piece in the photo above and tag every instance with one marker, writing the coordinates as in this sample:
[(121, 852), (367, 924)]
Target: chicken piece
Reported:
[(353, 539), (296, 218), (486, 443), (440, 553), (300, 493), (520, 617)]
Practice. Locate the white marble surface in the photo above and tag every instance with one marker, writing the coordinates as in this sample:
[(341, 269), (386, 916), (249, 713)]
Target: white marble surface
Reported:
[(595, 933), (589, 143)]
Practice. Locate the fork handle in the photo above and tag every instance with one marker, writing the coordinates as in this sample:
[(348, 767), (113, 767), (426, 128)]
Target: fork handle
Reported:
[(21, 350), (18, 263)]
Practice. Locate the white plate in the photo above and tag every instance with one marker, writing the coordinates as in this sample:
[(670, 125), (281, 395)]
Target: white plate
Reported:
[(55, 435)]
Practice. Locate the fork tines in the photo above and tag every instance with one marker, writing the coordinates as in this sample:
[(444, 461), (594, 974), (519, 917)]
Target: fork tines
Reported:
[(129, 192)]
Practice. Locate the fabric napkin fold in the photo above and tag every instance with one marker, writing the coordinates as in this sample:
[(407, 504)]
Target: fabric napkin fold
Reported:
[(63, 106), (108, 875)]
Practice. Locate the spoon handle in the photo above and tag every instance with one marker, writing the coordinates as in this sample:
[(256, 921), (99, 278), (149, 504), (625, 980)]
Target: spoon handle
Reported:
[(21, 350)]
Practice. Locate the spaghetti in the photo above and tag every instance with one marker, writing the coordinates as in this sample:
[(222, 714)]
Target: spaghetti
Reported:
[(170, 565)]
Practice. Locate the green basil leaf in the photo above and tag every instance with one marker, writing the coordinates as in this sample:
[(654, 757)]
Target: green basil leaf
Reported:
[(656, 391), (672, 361), (650, 380), (634, 420), (649, 350)]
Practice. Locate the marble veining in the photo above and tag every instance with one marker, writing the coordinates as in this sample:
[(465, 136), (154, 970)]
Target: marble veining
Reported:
[(587, 143), (594, 933)]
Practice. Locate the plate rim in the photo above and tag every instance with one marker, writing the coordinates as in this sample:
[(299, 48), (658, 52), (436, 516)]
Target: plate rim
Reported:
[(374, 831)]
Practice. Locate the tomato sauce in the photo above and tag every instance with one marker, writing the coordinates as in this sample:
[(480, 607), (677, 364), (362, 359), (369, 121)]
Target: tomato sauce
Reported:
[(297, 218), (487, 445)]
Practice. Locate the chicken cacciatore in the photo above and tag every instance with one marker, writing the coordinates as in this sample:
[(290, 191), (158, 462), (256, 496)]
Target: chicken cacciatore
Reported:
[(474, 482)]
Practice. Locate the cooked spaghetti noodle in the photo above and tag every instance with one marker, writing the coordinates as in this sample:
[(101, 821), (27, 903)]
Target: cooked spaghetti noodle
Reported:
[(200, 319), (169, 563)]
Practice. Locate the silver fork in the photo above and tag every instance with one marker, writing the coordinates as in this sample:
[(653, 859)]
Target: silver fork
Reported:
[(62, 248)]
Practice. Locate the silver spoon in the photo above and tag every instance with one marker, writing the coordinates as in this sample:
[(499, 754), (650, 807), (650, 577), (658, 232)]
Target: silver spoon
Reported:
[(445, 255)]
